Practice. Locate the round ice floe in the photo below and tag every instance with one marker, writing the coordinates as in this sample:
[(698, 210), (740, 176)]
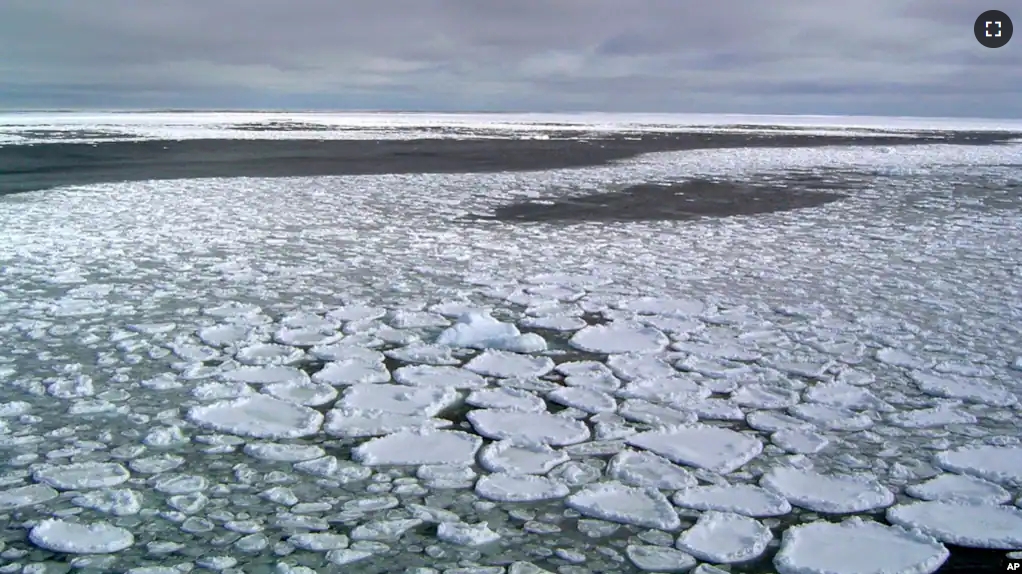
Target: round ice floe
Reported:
[(679, 390), (799, 441), (420, 353), (399, 399), (219, 391), (833, 418), (180, 484), (587, 400), (481, 331), (438, 376), (352, 372), (445, 476), (346, 352), (664, 306), (563, 323), (504, 364), (156, 464), (900, 358), (718, 350), (78, 538), (857, 546), (268, 354), (82, 475), (744, 499), (770, 421), (1001, 464), (305, 337), (464, 534), (647, 470), (725, 537), (283, 452), (961, 523), (713, 368), (258, 416), (968, 389), (419, 447), (384, 530), (714, 409), (655, 415), (845, 396), (29, 495), (318, 541), (713, 448), (353, 423), (405, 319), (761, 396), (619, 503), (959, 487), (506, 398), (356, 313), (225, 335), (505, 456), (938, 416), (658, 558), (302, 393), (116, 501), (619, 337), (519, 487), (827, 493), (528, 427), (632, 367)]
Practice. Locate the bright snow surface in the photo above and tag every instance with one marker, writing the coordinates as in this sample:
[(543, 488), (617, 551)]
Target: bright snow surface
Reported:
[(237, 362)]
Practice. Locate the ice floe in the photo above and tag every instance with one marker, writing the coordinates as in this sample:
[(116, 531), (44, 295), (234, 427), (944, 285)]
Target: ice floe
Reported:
[(1002, 464), (588, 400), (82, 475), (745, 499), (505, 456), (857, 546), (799, 441), (80, 538), (506, 487), (528, 427), (464, 534), (647, 470), (352, 372), (962, 523), (481, 331), (713, 448), (28, 495), (616, 502), (617, 338), (399, 399), (973, 390), (659, 558), (725, 537), (419, 447), (827, 493), (438, 376), (506, 364), (266, 375), (506, 398), (959, 487), (258, 416), (283, 452), (302, 393)]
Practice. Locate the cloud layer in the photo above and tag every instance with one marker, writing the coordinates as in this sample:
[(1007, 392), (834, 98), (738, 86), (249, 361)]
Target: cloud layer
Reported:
[(899, 57)]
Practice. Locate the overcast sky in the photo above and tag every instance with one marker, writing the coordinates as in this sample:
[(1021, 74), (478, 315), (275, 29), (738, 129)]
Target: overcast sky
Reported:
[(897, 57)]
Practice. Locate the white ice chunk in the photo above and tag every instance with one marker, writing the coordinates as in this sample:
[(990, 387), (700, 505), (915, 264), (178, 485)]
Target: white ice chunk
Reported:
[(116, 501), (637, 366), (964, 388), (405, 319), (677, 390), (799, 441), (505, 364), (505, 487), (857, 546), (258, 416), (959, 487), (962, 523), (647, 470), (225, 335), (725, 537), (481, 331), (845, 396), (353, 423), (82, 475), (827, 493), (505, 456), (745, 499), (79, 538), (269, 354), (266, 375), (352, 372), (281, 452), (28, 495), (664, 306), (528, 427), (399, 399), (425, 354), (506, 398), (346, 352), (713, 368), (939, 416), (302, 393), (563, 323), (833, 418), (770, 421), (306, 337), (901, 358), (760, 396), (356, 313), (318, 541), (438, 376), (619, 337), (718, 350), (659, 558), (1002, 464), (655, 415), (384, 530), (446, 476), (616, 502), (419, 447), (587, 400), (713, 448), (464, 534)]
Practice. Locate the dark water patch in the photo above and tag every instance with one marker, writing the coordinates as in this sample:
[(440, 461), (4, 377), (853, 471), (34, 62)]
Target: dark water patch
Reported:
[(667, 202)]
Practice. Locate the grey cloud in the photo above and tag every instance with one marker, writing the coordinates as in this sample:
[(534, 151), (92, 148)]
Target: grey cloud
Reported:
[(812, 56)]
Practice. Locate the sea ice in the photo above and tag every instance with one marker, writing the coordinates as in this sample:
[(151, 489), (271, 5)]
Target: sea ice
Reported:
[(964, 388), (725, 537), (346, 352), (79, 538), (647, 470), (664, 306), (356, 313), (352, 372), (857, 546), (827, 493), (505, 456), (283, 452), (1002, 464), (318, 541), (587, 400), (563, 323), (616, 502), (713, 448), (302, 393), (399, 399), (770, 421), (677, 390), (619, 337), (505, 487), (761, 396), (655, 415), (419, 447), (354, 423), (225, 335), (384, 530), (799, 441), (426, 354), (505, 364), (481, 331), (963, 524), (939, 416), (438, 376), (81, 475), (405, 319), (258, 416), (445, 476), (269, 354), (464, 534), (745, 499), (305, 337), (900, 358), (631, 367), (506, 398), (718, 350), (833, 418), (116, 501), (659, 558), (28, 495), (266, 375), (959, 487), (528, 427)]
